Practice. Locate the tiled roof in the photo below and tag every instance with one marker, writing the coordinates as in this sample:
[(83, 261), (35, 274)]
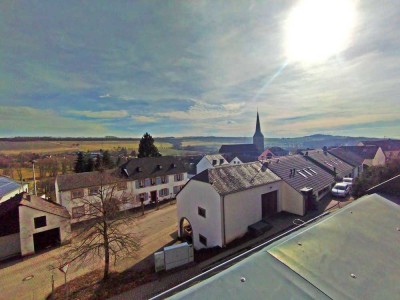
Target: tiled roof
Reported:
[(73, 181), (354, 155), (329, 161), (7, 185), (234, 178), (239, 148), (45, 206), (386, 145), (307, 174), (278, 151), (140, 168), (216, 157)]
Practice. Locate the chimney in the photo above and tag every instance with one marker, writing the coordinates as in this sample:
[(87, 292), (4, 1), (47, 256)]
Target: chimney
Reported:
[(294, 171)]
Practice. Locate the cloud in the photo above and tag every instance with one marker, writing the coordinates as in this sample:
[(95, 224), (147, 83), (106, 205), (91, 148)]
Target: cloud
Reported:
[(20, 120), (105, 96), (144, 119), (104, 114)]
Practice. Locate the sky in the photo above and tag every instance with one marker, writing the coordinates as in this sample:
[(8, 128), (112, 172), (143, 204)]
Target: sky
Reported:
[(197, 68)]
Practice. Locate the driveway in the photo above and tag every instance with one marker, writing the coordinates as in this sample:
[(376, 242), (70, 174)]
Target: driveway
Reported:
[(156, 227)]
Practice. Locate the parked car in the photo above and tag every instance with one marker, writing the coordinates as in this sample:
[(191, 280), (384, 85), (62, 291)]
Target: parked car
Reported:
[(341, 189), (349, 181)]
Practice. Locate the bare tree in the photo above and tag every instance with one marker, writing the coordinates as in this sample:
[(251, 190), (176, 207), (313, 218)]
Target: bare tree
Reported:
[(107, 234)]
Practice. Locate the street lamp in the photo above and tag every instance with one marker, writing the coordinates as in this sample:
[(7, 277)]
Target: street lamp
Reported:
[(34, 177)]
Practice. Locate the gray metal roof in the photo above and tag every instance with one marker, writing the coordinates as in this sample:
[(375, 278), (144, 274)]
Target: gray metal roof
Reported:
[(350, 254), (229, 179), (307, 174), (7, 185)]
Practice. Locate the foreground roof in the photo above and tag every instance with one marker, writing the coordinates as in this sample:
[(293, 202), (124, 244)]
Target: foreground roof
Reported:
[(8, 185), (354, 155), (229, 179), (324, 260), (329, 162), (307, 174)]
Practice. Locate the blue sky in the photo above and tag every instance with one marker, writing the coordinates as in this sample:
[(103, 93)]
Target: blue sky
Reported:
[(180, 68)]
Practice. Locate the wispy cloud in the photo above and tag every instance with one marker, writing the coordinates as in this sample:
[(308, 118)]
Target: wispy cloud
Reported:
[(104, 114), (144, 119)]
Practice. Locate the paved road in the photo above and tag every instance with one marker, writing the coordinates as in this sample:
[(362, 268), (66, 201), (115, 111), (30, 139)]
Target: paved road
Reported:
[(156, 227)]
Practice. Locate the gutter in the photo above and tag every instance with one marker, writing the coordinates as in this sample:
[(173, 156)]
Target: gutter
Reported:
[(223, 221)]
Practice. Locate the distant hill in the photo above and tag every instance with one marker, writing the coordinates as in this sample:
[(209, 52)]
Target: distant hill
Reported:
[(210, 144)]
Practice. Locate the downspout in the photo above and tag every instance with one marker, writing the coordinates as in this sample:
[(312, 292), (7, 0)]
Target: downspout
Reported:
[(223, 221)]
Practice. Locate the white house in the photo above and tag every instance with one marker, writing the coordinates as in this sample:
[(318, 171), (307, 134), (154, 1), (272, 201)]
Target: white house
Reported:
[(221, 203), (30, 224), (148, 179), (303, 182), (9, 188), (210, 161), (236, 161)]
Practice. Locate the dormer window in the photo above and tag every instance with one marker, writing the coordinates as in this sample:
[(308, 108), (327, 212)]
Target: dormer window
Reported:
[(221, 161), (214, 162)]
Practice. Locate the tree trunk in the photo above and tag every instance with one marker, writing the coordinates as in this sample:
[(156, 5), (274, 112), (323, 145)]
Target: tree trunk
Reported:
[(157, 204), (106, 253), (142, 207)]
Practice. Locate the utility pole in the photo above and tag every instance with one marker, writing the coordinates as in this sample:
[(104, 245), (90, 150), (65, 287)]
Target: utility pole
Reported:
[(34, 177)]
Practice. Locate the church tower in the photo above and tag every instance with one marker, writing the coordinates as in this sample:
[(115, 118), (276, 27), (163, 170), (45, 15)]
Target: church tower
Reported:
[(258, 137)]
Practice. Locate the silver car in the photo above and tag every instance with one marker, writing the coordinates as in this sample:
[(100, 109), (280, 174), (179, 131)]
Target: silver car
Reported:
[(341, 189)]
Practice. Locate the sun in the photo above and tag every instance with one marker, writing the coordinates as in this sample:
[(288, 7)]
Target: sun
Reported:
[(319, 29)]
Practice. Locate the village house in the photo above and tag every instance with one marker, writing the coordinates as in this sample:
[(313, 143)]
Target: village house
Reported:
[(360, 156), (235, 161), (272, 152), (30, 224), (220, 204), (210, 161), (139, 180), (330, 163), (9, 188), (391, 148), (303, 181)]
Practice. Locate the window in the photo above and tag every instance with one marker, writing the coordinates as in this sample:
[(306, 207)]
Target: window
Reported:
[(124, 200), (77, 194), (94, 190), (201, 211), (94, 208), (153, 181), (178, 177), (122, 186), (302, 174), (177, 188), (164, 179), (40, 222), (147, 182), (78, 211), (143, 197), (214, 162), (305, 170), (312, 170), (164, 192), (203, 239), (141, 183)]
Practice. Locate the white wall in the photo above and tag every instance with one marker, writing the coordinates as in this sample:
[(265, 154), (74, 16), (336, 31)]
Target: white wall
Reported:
[(379, 159), (244, 208), (132, 193), (27, 227), (201, 194), (236, 161), (292, 200), (202, 165), (9, 245)]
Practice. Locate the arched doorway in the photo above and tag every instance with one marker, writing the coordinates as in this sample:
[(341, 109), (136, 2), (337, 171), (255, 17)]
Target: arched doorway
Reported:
[(185, 230)]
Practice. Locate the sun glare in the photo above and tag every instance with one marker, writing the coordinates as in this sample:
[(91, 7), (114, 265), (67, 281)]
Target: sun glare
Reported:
[(319, 29)]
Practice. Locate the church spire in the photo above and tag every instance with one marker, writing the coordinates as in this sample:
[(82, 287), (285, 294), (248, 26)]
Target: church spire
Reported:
[(258, 137), (258, 127)]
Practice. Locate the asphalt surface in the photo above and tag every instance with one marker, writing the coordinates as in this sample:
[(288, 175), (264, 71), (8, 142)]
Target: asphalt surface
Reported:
[(156, 228)]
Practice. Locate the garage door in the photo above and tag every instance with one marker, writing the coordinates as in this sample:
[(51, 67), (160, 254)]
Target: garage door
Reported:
[(46, 239), (269, 204)]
